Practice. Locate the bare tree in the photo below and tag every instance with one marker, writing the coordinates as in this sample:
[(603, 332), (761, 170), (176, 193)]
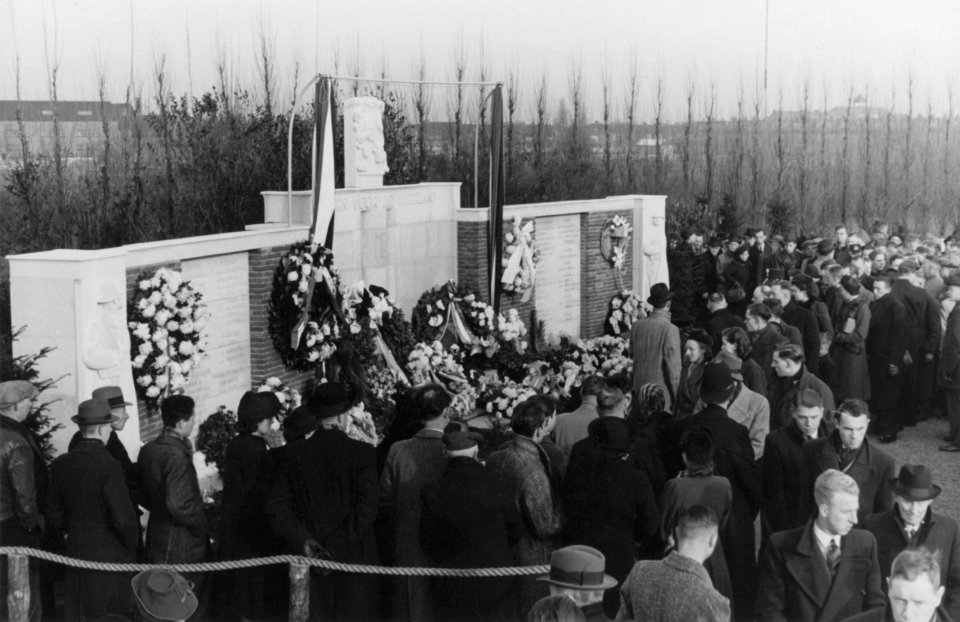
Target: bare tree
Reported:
[(266, 59), (630, 105), (739, 150), (52, 68), (166, 138), (708, 142), (780, 151), (538, 143), (421, 103), (105, 162), (755, 163), (657, 130), (513, 78), (459, 71), (907, 148), (605, 93), (687, 128), (844, 164), (887, 145), (867, 162), (927, 147), (804, 145)]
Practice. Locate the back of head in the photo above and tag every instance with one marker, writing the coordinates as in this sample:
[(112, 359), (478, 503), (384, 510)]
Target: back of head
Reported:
[(696, 522), (176, 408), (790, 352), (759, 311), (430, 401), (622, 381), (738, 337), (528, 417), (609, 401), (592, 385), (697, 447), (775, 306)]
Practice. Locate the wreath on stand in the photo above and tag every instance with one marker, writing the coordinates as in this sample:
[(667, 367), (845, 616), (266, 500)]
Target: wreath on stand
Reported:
[(520, 259), (304, 312), (458, 307), (165, 320)]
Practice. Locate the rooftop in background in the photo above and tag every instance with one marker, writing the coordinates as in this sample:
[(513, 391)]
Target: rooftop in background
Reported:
[(34, 111)]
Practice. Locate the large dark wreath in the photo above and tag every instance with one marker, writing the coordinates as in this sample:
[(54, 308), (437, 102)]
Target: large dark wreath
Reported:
[(291, 282), (430, 315)]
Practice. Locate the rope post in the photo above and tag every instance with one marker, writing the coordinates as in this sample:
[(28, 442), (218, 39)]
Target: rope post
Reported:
[(299, 592), (18, 580)]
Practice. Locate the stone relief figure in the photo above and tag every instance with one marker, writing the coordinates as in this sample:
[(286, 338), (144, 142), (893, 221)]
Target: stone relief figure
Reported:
[(368, 130), (654, 244)]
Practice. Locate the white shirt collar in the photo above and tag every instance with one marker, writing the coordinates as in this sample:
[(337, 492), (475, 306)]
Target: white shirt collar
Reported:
[(824, 538)]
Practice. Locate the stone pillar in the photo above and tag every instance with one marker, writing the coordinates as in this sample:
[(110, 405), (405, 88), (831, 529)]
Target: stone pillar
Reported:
[(364, 159), (75, 301), (649, 243)]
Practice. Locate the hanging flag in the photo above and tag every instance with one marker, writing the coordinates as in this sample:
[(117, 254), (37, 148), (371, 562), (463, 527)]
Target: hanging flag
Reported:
[(321, 231), (497, 193)]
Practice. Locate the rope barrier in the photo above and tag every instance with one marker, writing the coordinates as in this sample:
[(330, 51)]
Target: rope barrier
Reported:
[(411, 571)]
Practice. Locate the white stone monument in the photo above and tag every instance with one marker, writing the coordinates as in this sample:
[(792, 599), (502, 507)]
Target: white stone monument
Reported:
[(364, 158), (650, 247)]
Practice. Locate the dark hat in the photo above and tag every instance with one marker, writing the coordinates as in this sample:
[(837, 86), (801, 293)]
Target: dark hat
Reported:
[(701, 337), (777, 238), (750, 232), (15, 391), (733, 363), (113, 395), (915, 483), (801, 281), (825, 246), (812, 271), (579, 567), (299, 423), (809, 243), (686, 232), (455, 441), (613, 434), (659, 294), (714, 241), (855, 250), (850, 284), (953, 280), (92, 412), (163, 594), (256, 406), (907, 266), (329, 400), (717, 383)]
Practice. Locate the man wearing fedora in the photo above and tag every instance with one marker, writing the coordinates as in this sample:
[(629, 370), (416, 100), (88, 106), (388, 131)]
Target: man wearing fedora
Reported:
[(678, 587), (163, 595), (23, 478), (89, 502), (118, 420), (655, 346), (577, 572), (912, 523), (323, 503), (734, 459)]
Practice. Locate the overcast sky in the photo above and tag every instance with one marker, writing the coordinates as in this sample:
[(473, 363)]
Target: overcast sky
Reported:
[(871, 46)]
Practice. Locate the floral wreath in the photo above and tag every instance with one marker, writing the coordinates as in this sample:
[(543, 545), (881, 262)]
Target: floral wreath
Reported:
[(305, 336), (520, 258), (433, 312), (626, 307), (165, 320), (620, 227), (431, 362)]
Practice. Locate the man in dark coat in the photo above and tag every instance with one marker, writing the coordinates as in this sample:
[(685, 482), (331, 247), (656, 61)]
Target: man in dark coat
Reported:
[(89, 501), (783, 463), (177, 532), (469, 520), (720, 317), (607, 503), (764, 336), (912, 523), (849, 450), (791, 376), (915, 591), (949, 373), (802, 318), (324, 503), (23, 477), (825, 570), (761, 259), (886, 346), (733, 460), (248, 593), (922, 333)]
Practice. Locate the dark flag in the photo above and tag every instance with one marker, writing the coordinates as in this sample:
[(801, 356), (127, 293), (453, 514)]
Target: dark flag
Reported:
[(497, 194)]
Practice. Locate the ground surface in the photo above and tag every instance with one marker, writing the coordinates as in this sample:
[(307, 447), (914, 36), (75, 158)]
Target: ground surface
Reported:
[(918, 445)]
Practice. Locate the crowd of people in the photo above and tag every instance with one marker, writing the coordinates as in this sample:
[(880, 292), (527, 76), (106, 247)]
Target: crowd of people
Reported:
[(733, 475)]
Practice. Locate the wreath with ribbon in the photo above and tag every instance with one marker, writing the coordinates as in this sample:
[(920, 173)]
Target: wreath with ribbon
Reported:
[(455, 314), (165, 320), (305, 316), (377, 327), (520, 260), (626, 307), (616, 234)]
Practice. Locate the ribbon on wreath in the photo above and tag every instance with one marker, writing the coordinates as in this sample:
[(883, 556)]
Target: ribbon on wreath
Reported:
[(521, 260), (388, 358), (455, 329), (328, 293)]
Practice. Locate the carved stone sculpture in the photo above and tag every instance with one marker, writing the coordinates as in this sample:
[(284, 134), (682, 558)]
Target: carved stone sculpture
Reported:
[(654, 244), (365, 160)]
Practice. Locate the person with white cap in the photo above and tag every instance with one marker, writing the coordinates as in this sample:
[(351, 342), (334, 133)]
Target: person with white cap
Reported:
[(22, 482)]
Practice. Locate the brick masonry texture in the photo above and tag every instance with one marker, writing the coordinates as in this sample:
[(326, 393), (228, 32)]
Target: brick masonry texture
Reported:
[(598, 278)]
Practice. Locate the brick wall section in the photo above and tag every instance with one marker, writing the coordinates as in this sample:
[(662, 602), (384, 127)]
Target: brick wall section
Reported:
[(472, 257), (265, 361), (598, 281), (150, 423)]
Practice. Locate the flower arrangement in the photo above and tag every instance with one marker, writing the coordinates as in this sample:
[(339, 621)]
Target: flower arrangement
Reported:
[(511, 330), (500, 396), (619, 227), (315, 340), (369, 306), (215, 434), (429, 360), (626, 307), (430, 315), (165, 320), (520, 258), (360, 426), (606, 356), (290, 399)]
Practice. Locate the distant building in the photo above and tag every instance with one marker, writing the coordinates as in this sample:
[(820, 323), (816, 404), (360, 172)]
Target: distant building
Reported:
[(80, 122)]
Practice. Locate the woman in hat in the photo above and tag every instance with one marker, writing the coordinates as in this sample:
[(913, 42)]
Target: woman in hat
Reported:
[(697, 350), (849, 351), (244, 529), (736, 344), (736, 280)]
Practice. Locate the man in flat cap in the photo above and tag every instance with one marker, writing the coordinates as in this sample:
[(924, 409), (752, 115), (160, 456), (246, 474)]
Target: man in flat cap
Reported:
[(89, 502), (23, 479), (323, 502), (912, 523), (469, 520)]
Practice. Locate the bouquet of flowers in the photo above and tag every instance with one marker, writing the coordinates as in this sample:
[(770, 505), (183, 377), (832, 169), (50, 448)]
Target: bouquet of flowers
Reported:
[(430, 315), (511, 330), (606, 356), (290, 399), (619, 227), (366, 305), (427, 361), (520, 257), (626, 307), (290, 297), (165, 321), (500, 396)]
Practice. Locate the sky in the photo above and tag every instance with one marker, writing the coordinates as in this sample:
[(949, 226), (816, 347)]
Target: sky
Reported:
[(869, 47)]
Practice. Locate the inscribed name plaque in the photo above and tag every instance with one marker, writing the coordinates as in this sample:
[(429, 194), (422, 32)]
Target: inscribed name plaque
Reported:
[(224, 373), (558, 275)]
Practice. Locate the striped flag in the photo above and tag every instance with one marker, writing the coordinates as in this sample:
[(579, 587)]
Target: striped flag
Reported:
[(321, 231), (497, 192)]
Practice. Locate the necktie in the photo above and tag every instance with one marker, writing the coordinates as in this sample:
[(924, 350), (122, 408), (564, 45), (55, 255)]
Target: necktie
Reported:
[(833, 556), (911, 531)]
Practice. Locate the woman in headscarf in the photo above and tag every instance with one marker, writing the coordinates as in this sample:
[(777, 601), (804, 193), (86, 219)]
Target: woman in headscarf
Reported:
[(696, 353)]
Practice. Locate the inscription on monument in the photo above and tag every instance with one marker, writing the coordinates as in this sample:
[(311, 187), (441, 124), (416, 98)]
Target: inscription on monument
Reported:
[(558, 275), (224, 374)]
